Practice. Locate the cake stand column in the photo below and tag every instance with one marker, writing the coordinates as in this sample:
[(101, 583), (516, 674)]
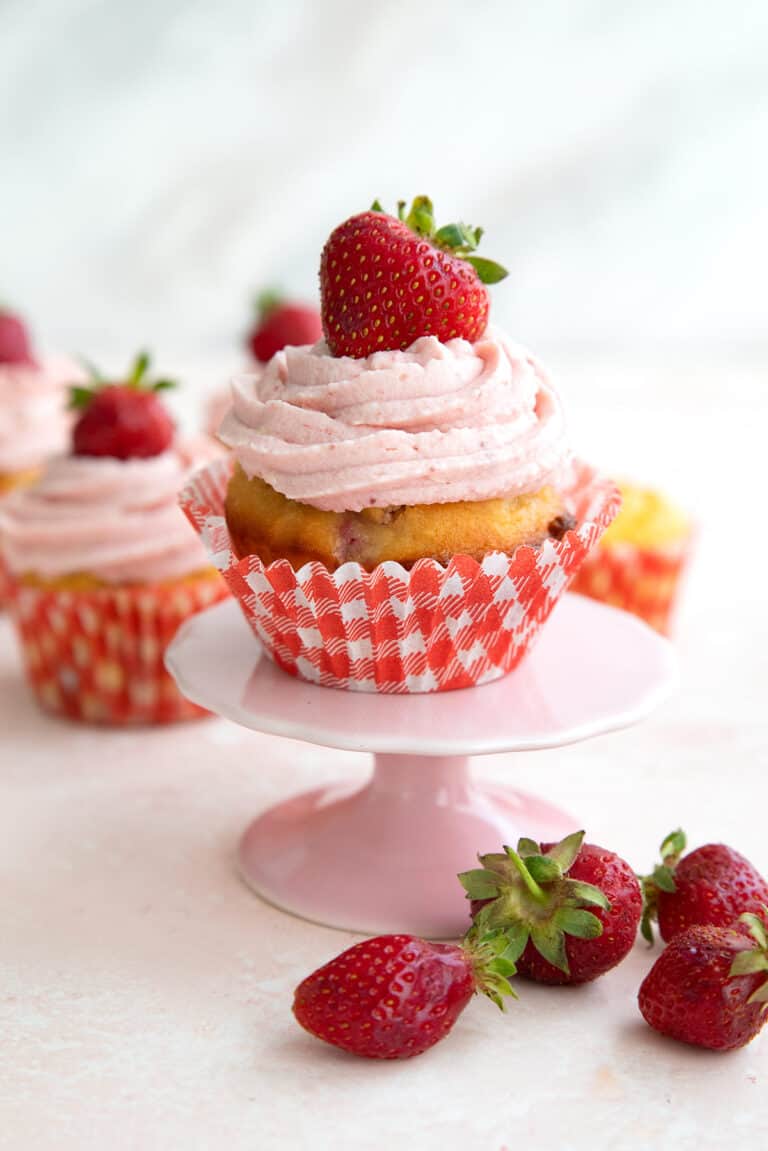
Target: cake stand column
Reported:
[(385, 857)]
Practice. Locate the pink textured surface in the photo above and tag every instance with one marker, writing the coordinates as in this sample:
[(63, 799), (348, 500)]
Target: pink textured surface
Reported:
[(144, 991)]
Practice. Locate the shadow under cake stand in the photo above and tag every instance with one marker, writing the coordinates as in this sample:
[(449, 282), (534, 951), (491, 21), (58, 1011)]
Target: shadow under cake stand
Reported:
[(384, 857)]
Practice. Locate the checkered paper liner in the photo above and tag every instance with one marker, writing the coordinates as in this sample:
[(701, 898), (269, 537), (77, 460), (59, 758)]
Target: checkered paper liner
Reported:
[(392, 630), (642, 580), (97, 655)]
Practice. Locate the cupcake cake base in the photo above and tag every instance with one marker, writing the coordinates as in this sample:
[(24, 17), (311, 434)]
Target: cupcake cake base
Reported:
[(383, 857)]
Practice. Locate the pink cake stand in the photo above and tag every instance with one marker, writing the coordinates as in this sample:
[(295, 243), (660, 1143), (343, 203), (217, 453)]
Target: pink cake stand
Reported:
[(384, 857)]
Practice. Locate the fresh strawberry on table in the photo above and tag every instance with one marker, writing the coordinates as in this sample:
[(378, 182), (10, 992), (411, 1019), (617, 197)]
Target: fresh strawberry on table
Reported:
[(385, 281), (712, 885), (15, 345), (709, 986), (570, 909), (280, 323), (124, 420), (394, 996)]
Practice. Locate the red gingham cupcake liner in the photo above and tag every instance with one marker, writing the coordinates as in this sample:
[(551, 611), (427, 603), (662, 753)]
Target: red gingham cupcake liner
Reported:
[(97, 655), (392, 630), (642, 580)]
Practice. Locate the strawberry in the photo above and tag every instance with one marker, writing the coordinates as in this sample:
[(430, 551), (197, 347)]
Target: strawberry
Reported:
[(15, 347), (384, 282), (124, 420), (570, 909), (711, 885), (709, 987), (394, 996), (280, 323)]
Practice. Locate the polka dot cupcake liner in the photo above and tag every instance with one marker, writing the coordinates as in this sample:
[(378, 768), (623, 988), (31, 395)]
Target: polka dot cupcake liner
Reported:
[(97, 656), (431, 628)]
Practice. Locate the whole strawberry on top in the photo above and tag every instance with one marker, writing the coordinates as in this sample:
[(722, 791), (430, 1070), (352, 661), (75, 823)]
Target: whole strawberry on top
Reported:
[(385, 281), (280, 323), (709, 986), (15, 344), (124, 420), (394, 996), (712, 885), (570, 909)]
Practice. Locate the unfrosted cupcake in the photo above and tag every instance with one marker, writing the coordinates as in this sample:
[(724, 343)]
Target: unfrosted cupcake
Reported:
[(641, 560), (404, 508), (104, 565), (33, 410)]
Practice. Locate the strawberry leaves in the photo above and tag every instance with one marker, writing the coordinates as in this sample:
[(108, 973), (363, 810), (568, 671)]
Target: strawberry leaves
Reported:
[(459, 239), (662, 878), (528, 895), (488, 270), (493, 955), (81, 396), (754, 961)]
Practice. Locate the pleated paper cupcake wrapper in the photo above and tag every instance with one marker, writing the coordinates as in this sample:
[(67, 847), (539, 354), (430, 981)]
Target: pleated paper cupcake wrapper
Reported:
[(392, 630), (97, 655), (644, 581)]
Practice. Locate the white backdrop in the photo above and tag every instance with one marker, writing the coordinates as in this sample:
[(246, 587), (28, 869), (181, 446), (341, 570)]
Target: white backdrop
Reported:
[(158, 160)]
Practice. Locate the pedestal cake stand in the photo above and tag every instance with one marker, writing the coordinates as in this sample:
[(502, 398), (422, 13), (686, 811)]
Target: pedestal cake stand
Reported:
[(384, 857)]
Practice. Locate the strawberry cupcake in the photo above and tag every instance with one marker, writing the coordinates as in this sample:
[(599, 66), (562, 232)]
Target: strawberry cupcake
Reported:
[(33, 410), (641, 560), (104, 567), (403, 509), (279, 323)]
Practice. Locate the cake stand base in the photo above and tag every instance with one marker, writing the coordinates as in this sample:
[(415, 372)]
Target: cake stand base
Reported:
[(384, 857)]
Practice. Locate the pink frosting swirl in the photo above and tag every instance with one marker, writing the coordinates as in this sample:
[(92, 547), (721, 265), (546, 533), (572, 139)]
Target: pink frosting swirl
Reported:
[(437, 423), (34, 422), (118, 520)]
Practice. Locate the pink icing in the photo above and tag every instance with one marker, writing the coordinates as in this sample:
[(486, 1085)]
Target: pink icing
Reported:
[(216, 409), (118, 520), (434, 424), (34, 422)]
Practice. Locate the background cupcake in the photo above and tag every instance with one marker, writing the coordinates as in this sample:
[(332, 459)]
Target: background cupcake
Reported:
[(34, 422), (104, 566), (278, 323), (641, 560), (404, 509)]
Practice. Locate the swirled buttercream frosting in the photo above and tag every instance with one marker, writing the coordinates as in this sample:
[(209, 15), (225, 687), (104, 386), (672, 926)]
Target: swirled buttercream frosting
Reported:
[(437, 423), (116, 520)]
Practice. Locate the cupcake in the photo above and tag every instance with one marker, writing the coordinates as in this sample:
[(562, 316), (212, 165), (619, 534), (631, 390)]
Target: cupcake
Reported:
[(33, 416), (278, 323), (640, 561), (402, 510), (103, 564), (339, 496)]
